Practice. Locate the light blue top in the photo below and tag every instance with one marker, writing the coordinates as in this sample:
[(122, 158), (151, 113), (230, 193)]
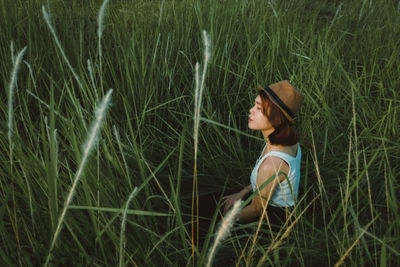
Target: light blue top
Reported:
[(282, 196)]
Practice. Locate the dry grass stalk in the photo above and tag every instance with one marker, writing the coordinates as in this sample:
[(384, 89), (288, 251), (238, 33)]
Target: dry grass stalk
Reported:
[(11, 90), (277, 242), (199, 87), (224, 229), (89, 144), (100, 28), (340, 261)]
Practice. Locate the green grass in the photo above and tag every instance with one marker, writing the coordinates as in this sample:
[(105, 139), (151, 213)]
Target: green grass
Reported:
[(343, 56)]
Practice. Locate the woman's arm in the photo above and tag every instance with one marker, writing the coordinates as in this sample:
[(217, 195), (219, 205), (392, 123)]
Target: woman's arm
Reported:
[(246, 190), (228, 201), (269, 167)]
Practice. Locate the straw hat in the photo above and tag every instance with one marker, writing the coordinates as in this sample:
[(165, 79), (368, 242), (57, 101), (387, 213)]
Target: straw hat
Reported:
[(285, 96)]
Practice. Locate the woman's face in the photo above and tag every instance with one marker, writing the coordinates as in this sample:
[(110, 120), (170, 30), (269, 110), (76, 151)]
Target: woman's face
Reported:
[(257, 119)]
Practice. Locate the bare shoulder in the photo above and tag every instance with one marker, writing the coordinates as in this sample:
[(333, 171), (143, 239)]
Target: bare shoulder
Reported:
[(290, 150), (270, 166)]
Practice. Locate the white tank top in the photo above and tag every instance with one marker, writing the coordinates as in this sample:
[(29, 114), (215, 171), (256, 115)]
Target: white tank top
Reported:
[(282, 196)]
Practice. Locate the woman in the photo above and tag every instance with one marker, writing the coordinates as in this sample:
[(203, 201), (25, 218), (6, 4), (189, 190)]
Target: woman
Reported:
[(273, 114)]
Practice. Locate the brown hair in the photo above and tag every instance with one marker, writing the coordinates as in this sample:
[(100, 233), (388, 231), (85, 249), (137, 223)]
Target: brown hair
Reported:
[(284, 133)]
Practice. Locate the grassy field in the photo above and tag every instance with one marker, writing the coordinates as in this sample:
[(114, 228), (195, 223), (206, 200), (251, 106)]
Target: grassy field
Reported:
[(101, 177)]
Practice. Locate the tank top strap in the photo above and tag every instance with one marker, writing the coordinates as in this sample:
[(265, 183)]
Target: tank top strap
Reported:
[(261, 159), (281, 155), (288, 158)]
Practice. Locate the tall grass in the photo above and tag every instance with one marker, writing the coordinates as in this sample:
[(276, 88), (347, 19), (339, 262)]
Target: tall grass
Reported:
[(87, 148), (11, 92), (122, 243), (224, 230), (100, 28), (46, 17), (343, 57), (10, 129), (198, 96)]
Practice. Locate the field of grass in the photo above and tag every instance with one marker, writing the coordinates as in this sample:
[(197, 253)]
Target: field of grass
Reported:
[(101, 177)]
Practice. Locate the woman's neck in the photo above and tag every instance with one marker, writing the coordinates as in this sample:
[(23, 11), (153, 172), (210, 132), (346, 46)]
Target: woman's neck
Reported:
[(270, 147), (267, 133)]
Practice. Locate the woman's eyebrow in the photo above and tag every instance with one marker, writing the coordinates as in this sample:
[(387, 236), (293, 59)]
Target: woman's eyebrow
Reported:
[(258, 103)]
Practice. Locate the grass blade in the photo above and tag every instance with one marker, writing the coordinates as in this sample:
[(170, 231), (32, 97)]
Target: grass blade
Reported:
[(89, 144), (11, 91), (122, 243), (53, 32)]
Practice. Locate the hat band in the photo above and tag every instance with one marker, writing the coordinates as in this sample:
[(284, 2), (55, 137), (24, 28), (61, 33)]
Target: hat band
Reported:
[(279, 101)]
